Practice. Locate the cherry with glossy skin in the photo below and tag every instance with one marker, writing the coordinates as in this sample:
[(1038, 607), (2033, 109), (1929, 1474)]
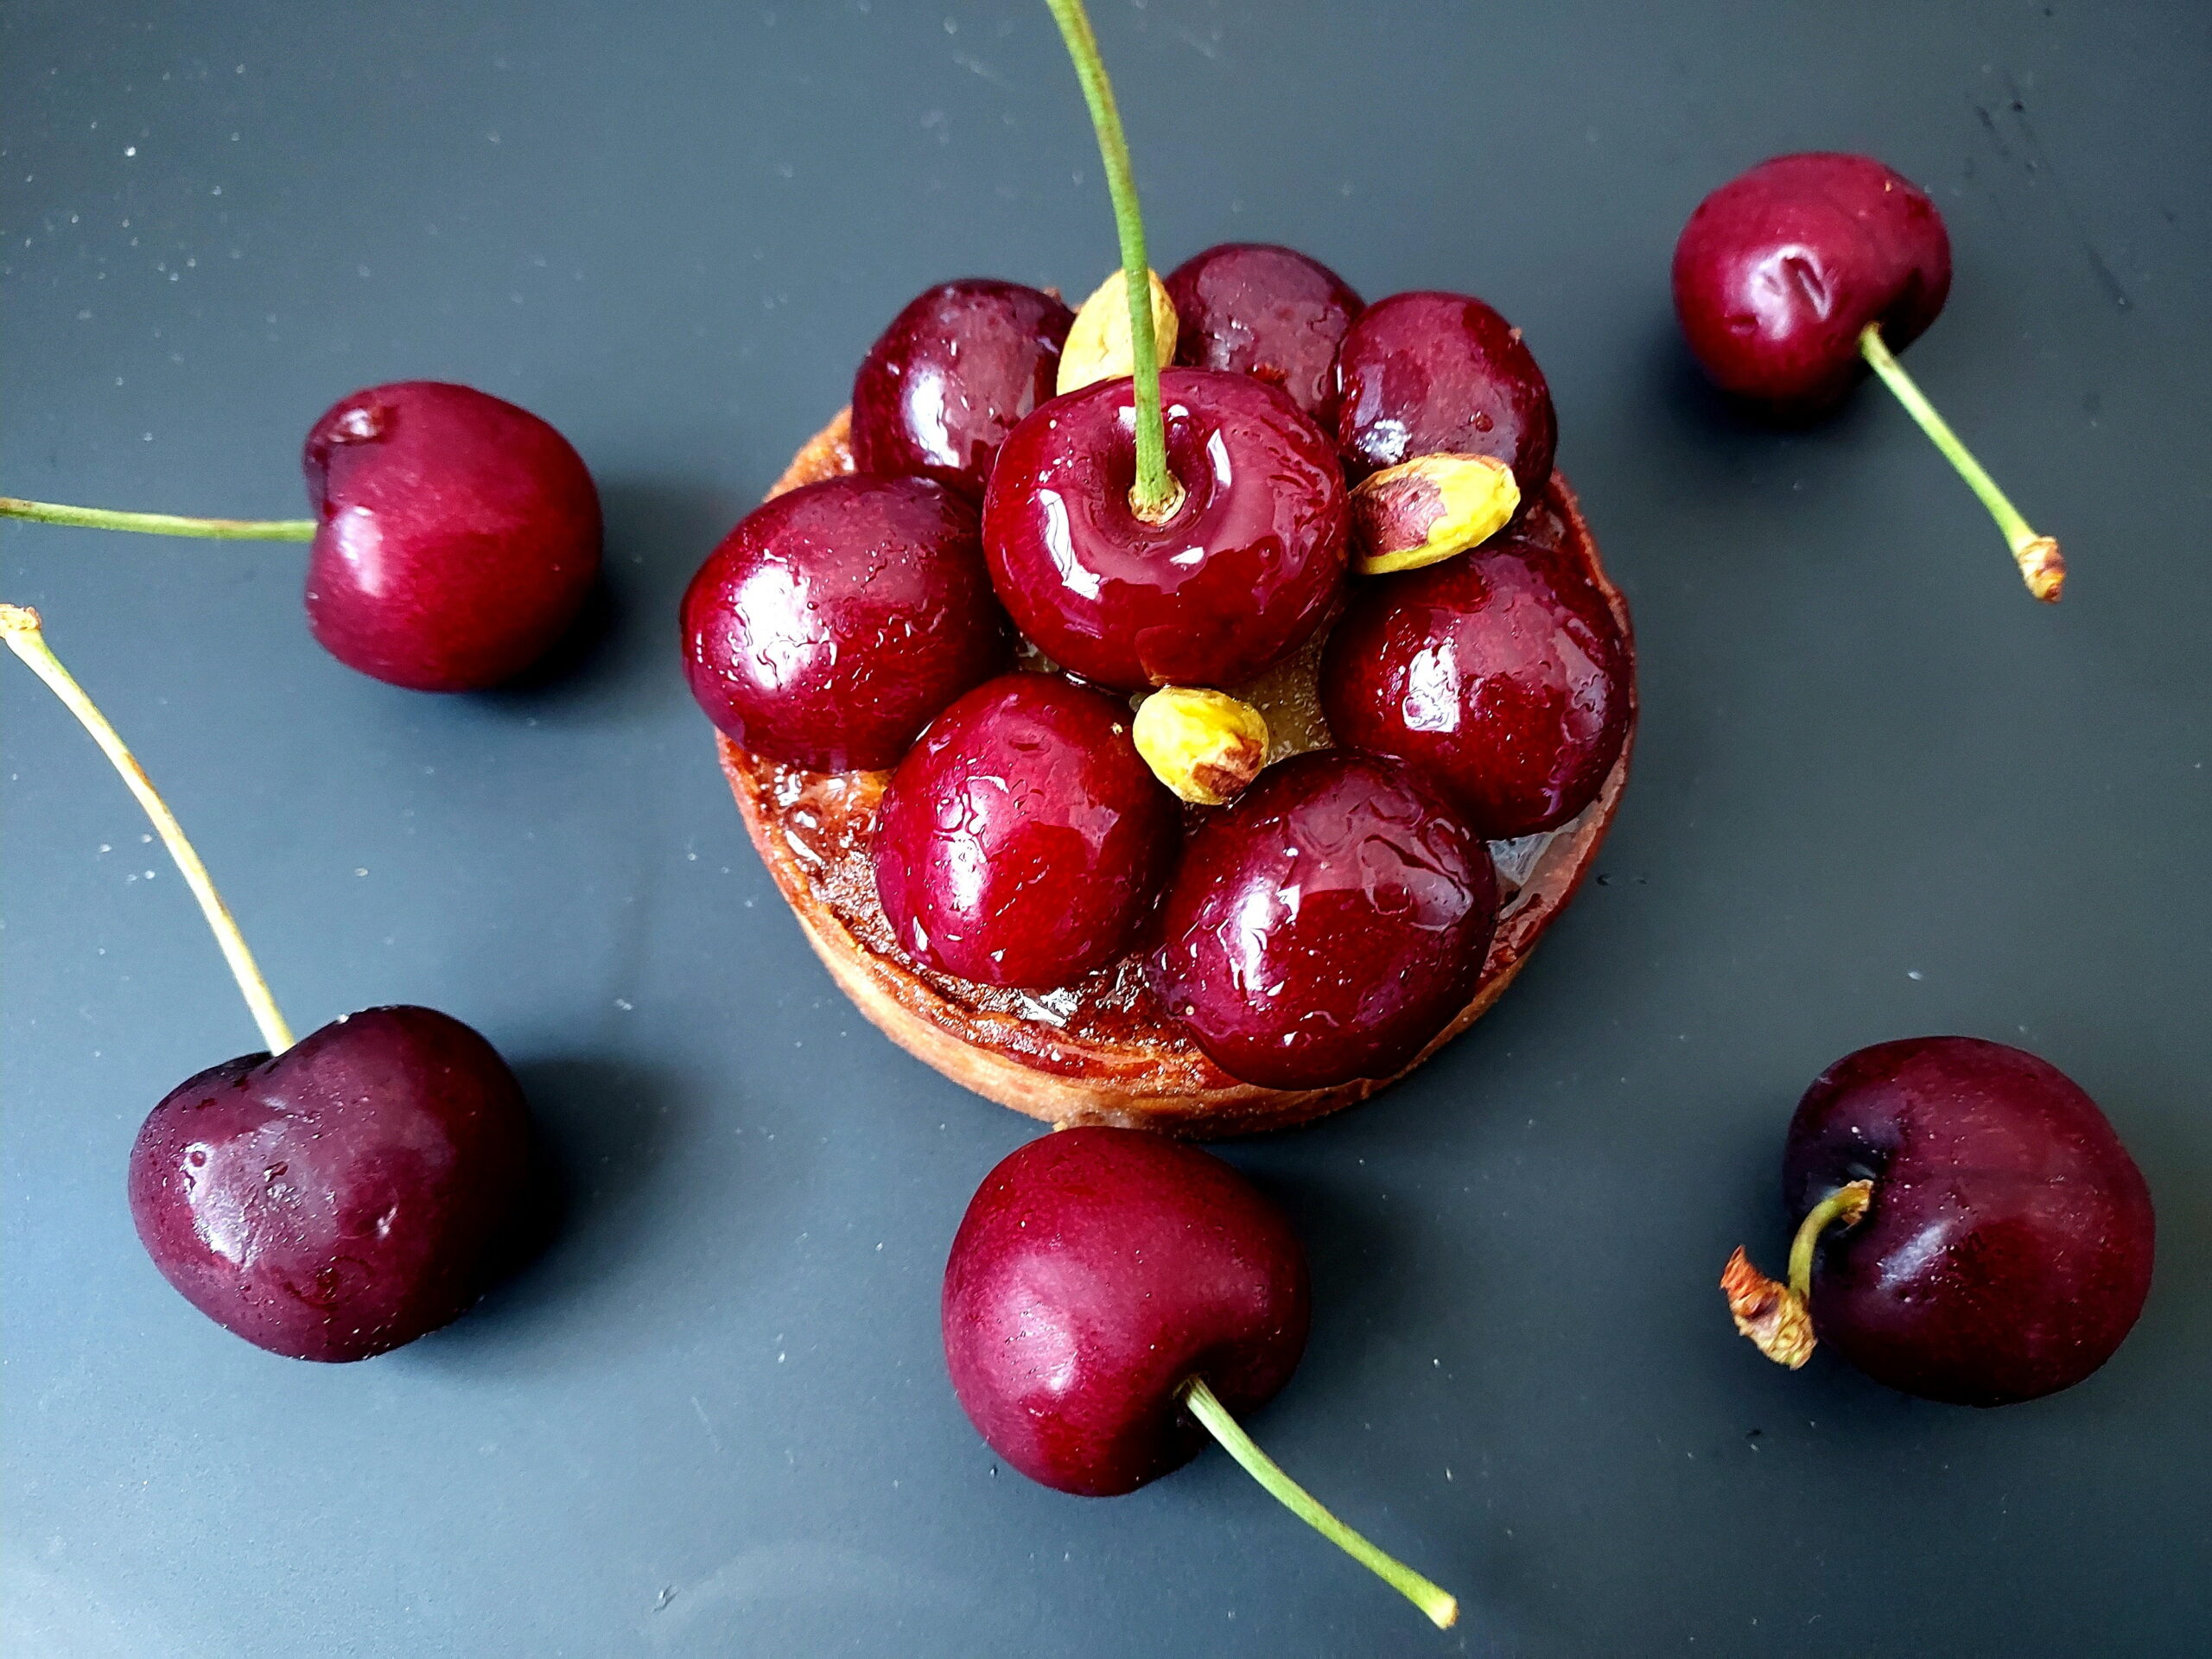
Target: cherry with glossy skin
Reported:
[(1780, 270), (1431, 373), (1228, 583), (348, 1196), (1326, 924), (837, 620), (458, 536), (954, 373), (1023, 841), (1251, 308), (1500, 676)]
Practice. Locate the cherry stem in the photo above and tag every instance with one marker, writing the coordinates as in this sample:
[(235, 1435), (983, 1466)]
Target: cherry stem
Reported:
[(1154, 495), (2041, 566), (21, 626), (1847, 1204), (160, 523), (1441, 1607)]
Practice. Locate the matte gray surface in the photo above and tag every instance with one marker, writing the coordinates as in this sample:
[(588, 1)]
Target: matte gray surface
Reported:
[(1877, 792)]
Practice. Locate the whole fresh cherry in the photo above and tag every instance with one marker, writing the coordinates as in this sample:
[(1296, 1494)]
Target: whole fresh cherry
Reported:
[(1430, 373), (1250, 308), (1235, 576), (1501, 676), (1780, 270), (1023, 841), (1326, 924), (953, 374), (1972, 1230), (836, 621)]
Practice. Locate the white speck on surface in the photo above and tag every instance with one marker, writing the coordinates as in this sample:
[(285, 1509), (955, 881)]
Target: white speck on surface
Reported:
[(625, 1004), (1913, 973)]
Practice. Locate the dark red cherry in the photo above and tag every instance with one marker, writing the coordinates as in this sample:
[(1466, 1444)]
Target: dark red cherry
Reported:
[(1249, 308), (1428, 374), (1096, 1271), (836, 621), (459, 536), (1023, 841), (1236, 578), (355, 1192), (1500, 676), (1326, 924), (1779, 271), (2007, 1248), (952, 375)]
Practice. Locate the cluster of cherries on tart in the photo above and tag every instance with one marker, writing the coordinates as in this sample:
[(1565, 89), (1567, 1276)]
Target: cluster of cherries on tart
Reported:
[(978, 606)]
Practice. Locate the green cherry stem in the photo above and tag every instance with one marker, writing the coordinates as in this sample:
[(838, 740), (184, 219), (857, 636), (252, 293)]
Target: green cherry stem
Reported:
[(2041, 566), (20, 627), (1155, 492), (1441, 1607), (159, 523), (1776, 1316)]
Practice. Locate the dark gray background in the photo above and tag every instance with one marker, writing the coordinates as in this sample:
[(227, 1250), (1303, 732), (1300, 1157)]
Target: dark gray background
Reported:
[(1877, 792)]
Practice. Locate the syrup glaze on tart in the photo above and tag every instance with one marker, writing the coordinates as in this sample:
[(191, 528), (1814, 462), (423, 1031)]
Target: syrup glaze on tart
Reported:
[(1103, 1050)]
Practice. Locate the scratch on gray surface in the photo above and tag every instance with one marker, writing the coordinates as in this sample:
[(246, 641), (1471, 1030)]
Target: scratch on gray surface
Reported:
[(2037, 164), (712, 1438)]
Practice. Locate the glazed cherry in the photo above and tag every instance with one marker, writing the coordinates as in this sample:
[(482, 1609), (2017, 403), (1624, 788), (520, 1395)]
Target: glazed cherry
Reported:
[(1500, 676), (1326, 924), (1249, 308), (1779, 271), (348, 1196), (836, 621), (1972, 1230), (1428, 374), (953, 374), (1023, 841), (1228, 583)]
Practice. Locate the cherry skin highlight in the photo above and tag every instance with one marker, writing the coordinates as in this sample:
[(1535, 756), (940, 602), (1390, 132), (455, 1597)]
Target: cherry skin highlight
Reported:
[(1250, 308), (1500, 676), (954, 373), (1779, 271), (1095, 1271), (1326, 924), (836, 621), (2008, 1246), (359, 1190), (1235, 577), (1023, 841), (459, 536), (1428, 374)]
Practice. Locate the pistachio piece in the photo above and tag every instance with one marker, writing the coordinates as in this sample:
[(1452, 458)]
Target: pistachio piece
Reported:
[(1204, 745), (1428, 509), (1097, 345)]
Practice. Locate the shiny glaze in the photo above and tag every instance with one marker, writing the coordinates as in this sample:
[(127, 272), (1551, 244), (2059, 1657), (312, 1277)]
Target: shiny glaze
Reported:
[(1023, 841), (459, 536), (836, 621), (953, 374), (1326, 924), (1095, 1271), (1500, 676), (2008, 1248), (1779, 270), (1428, 374), (355, 1192), (1234, 580), (1250, 308)]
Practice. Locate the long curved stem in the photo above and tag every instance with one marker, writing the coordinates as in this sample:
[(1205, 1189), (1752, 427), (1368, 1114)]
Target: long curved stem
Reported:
[(159, 523), (1441, 1607), (2041, 566), (19, 625), (1154, 493)]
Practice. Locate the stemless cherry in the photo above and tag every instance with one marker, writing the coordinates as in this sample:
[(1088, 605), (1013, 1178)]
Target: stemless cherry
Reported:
[(953, 374), (1023, 841), (1251, 308), (836, 621), (1326, 924), (1228, 582), (1428, 374), (1500, 676)]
